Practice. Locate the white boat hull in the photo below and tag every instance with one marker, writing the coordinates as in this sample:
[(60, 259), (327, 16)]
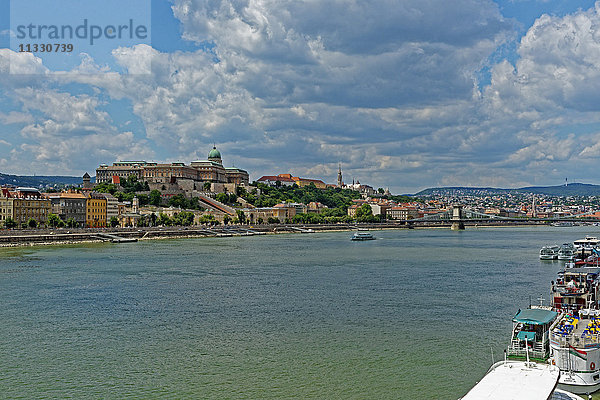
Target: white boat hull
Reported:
[(577, 383)]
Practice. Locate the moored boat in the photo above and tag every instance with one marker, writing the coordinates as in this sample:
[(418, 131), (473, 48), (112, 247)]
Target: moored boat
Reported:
[(575, 337), (362, 235), (530, 337), (566, 252), (588, 243), (549, 252), (517, 380)]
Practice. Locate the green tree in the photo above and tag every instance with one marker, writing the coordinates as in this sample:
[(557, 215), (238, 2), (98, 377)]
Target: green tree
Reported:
[(32, 223), (364, 213), (105, 187), (163, 219), (54, 220), (226, 219), (10, 223), (114, 221), (260, 220), (155, 198), (179, 201), (71, 223), (222, 197), (206, 186), (241, 216), (143, 198)]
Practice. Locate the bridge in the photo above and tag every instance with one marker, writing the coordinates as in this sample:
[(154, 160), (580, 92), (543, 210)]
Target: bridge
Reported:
[(458, 216)]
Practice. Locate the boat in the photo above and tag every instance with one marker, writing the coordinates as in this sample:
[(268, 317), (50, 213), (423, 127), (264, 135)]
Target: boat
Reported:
[(530, 334), (549, 252), (562, 224), (362, 235), (566, 252), (588, 243), (517, 380), (575, 336)]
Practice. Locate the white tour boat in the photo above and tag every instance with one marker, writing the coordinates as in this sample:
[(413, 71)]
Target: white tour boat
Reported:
[(362, 235), (566, 252), (549, 252), (575, 336), (518, 380), (588, 243)]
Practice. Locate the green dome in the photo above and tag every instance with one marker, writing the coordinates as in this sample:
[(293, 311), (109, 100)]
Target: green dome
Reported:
[(214, 153)]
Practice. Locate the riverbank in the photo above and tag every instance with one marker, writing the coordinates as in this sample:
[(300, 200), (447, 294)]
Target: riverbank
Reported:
[(15, 238), (24, 237)]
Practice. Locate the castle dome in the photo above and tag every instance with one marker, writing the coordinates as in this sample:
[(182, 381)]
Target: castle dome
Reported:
[(214, 153)]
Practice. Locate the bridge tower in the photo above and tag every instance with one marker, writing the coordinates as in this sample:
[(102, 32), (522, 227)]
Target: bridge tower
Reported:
[(457, 216)]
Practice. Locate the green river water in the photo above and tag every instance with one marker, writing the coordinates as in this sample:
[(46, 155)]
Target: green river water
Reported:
[(412, 315)]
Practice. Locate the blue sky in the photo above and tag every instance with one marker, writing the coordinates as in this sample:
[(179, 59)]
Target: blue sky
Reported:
[(406, 95)]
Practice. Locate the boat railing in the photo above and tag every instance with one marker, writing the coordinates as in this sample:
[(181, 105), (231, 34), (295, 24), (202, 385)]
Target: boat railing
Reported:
[(577, 340), (537, 351)]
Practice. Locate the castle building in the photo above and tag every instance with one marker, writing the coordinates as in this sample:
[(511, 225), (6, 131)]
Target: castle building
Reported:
[(210, 170)]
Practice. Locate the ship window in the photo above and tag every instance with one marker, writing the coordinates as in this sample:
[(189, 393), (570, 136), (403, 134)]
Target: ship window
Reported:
[(596, 377)]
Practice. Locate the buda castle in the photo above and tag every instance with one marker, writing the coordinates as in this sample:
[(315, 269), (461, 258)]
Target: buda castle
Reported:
[(201, 171)]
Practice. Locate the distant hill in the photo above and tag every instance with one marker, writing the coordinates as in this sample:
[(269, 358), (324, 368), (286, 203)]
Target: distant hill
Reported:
[(39, 181), (573, 189)]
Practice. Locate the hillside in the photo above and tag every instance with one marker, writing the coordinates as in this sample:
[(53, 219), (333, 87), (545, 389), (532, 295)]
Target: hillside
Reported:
[(573, 189), (39, 181)]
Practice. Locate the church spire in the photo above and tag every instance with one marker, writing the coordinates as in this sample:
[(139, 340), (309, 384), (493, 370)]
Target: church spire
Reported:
[(339, 181)]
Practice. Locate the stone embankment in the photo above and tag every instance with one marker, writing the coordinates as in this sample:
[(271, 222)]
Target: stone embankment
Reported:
[(29, 237)]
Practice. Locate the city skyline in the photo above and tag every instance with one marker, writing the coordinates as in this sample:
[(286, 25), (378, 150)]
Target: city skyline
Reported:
[(405, 95)]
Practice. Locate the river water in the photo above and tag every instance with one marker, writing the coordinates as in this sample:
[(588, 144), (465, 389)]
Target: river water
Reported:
[(415, 314)]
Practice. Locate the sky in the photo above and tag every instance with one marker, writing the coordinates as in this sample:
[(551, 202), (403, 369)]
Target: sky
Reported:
[(404, 94)]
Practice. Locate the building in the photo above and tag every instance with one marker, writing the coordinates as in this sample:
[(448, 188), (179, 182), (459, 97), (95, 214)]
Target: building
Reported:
[(316, 207), (289, 180), (272, 180), (210, 170), (112, 207), (95, 210), (301, 182), (121, 169), (402, 213), (69, 205), (23, 204)]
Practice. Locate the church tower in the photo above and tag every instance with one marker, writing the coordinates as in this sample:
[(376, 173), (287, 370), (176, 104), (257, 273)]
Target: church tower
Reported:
[(339, 181)]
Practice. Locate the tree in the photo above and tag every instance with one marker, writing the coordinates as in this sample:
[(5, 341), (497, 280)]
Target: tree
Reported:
[(381, 191), (206, 186), (179, 201), (143, 198), (155, 198), (114, 221), (32, 223), (260, 220), (163, 219), (241, 216), (364, 213), (71, 223), (222, 197), (54, 220), (272, 220), (226, 219), (10, 223)]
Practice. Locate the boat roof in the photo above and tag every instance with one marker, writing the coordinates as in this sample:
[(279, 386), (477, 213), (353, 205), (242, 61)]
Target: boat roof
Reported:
[(535, 316), (516, 380)]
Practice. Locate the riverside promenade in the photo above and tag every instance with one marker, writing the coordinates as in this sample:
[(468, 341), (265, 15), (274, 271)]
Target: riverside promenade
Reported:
[(30, 237)]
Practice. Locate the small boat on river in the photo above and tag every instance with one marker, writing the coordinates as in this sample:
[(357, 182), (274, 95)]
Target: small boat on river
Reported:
[(362, 235), (549, 252)]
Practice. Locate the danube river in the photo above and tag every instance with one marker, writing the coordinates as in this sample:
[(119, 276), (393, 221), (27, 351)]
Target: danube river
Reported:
[(412, 315)]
